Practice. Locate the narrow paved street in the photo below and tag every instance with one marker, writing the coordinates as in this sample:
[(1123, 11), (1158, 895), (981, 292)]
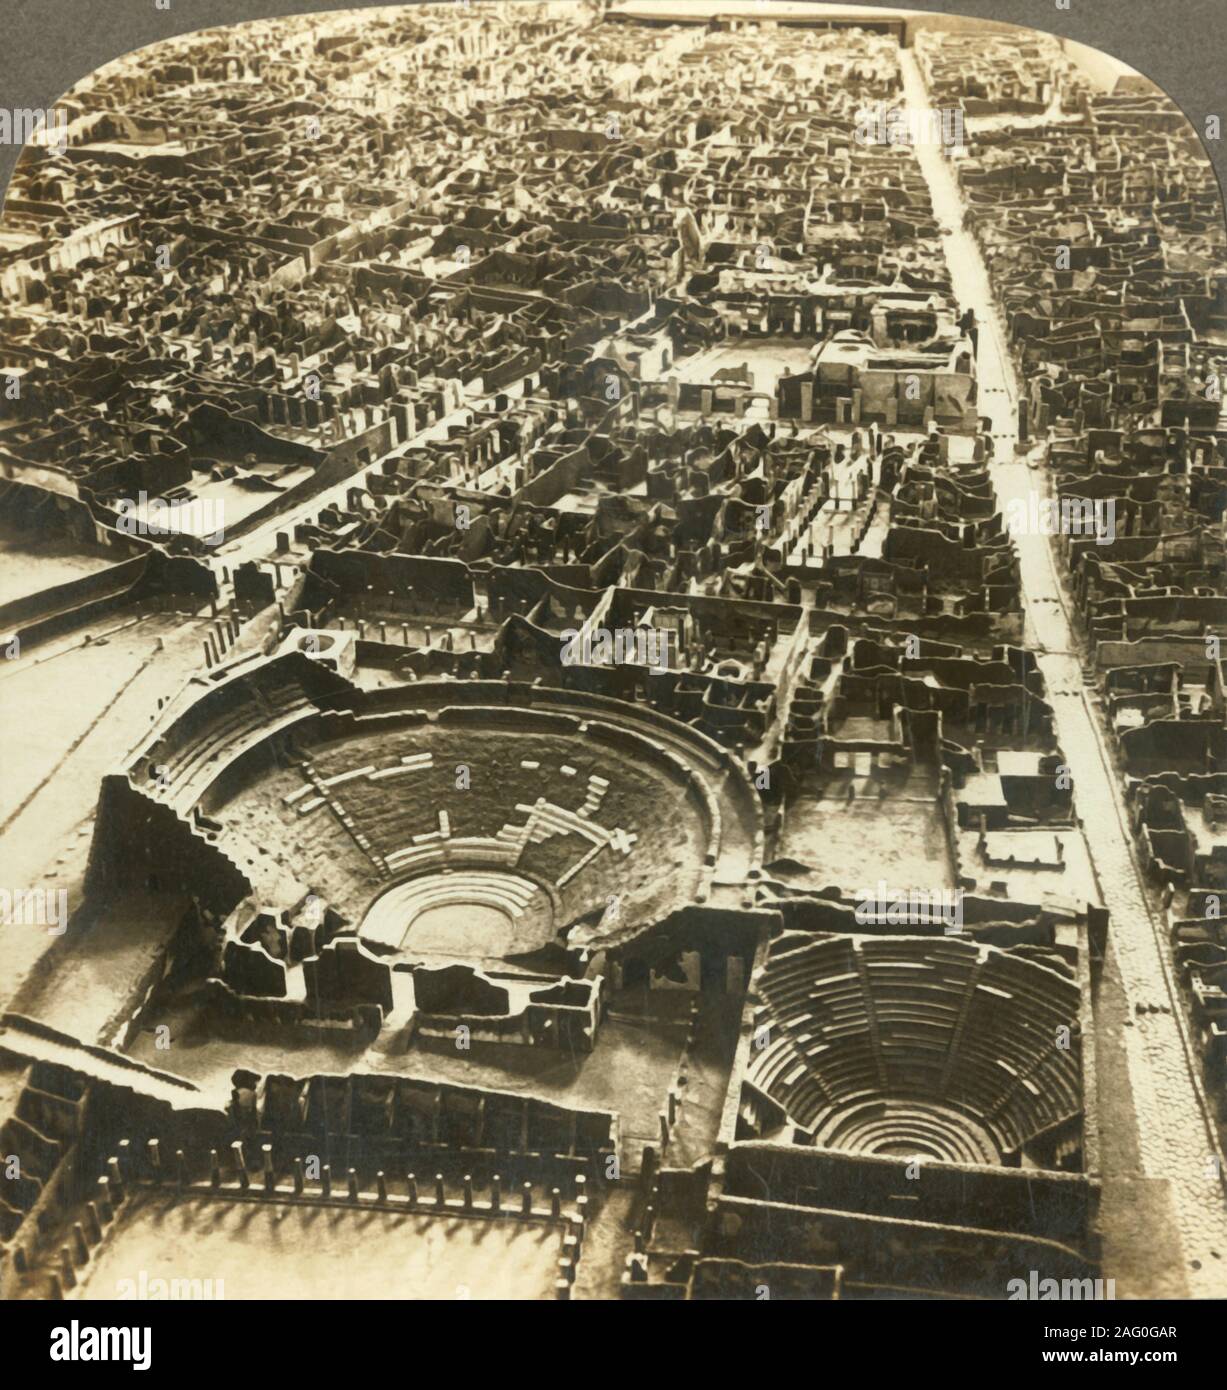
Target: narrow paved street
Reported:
[(1163, 1207)]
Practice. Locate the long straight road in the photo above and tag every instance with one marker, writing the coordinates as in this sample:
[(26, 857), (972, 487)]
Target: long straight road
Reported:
[(1164, 1214)]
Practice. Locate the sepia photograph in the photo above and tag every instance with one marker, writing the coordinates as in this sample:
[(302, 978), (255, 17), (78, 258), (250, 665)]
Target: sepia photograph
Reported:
[(613, 668)]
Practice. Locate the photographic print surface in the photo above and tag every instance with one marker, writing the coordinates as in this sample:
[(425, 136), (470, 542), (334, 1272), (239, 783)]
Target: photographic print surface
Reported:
[(611, 669)]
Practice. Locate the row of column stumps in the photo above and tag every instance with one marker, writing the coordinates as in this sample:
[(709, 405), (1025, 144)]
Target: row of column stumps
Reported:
[(223, 634), (494, 1202), (113, 1190), (572, 1241)]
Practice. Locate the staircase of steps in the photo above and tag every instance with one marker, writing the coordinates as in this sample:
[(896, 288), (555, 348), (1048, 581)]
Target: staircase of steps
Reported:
[(325, 793)]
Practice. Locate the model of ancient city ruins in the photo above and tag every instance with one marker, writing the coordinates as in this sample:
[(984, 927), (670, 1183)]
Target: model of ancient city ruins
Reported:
[(561, 739)]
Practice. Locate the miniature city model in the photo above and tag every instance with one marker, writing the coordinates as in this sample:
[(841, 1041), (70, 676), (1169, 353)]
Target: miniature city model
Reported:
[(612, 679)]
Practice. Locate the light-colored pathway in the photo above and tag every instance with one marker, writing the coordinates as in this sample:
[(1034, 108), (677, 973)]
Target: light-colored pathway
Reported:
[(1175, 1145)]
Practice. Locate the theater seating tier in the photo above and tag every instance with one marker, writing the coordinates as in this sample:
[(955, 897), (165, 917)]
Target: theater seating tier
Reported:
[(942, 1047)]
